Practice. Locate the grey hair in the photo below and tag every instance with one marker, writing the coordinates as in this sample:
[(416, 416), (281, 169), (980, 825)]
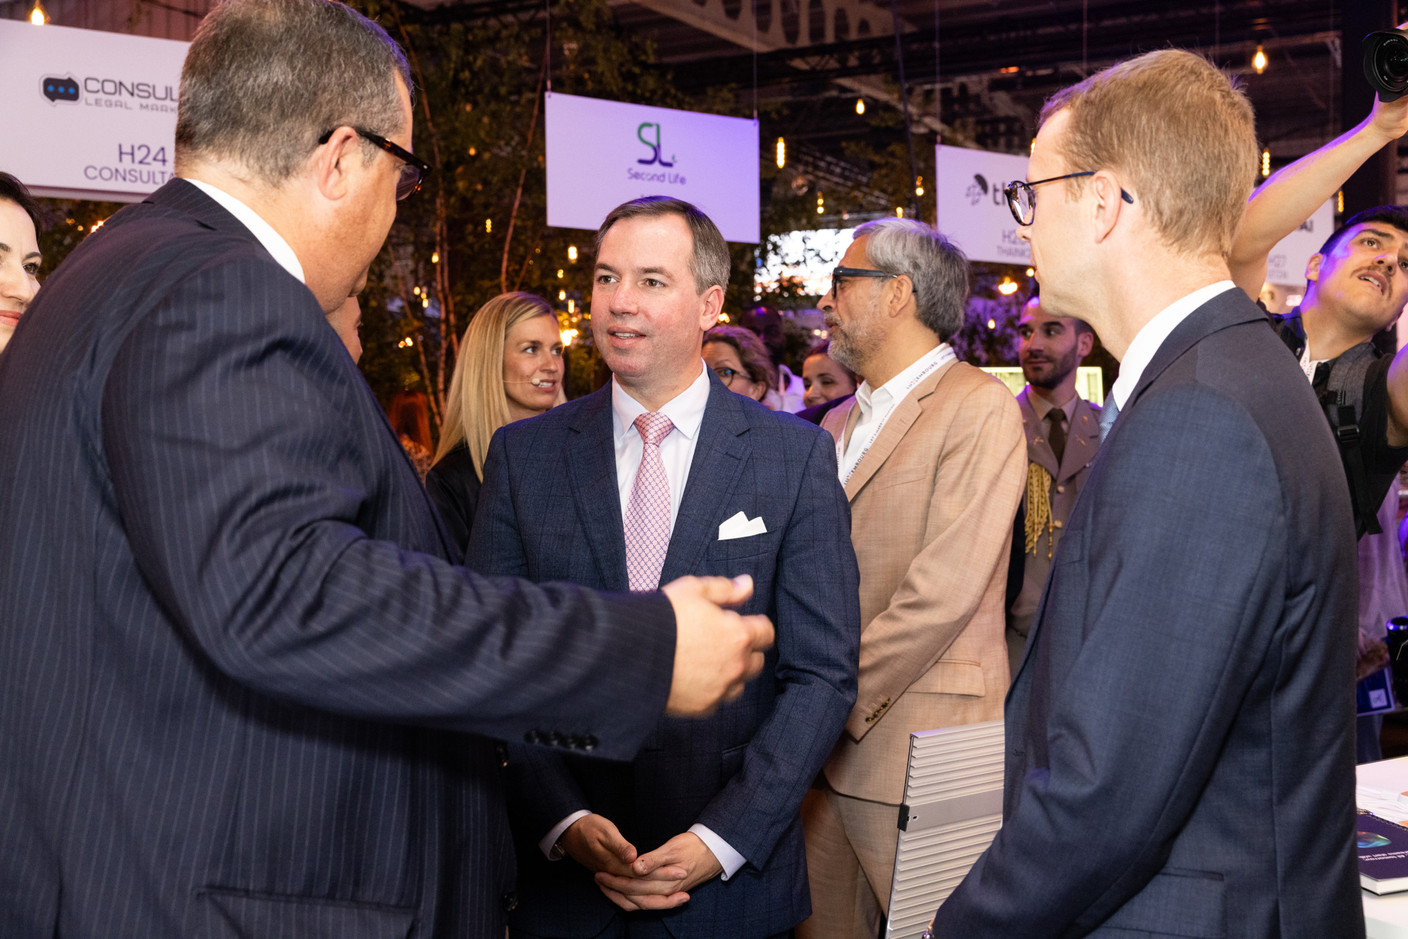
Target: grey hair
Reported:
[(265, 79), (709, 262), (935, 266)]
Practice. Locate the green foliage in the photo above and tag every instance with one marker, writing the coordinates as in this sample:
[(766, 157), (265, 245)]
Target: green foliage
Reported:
[(483, 212)]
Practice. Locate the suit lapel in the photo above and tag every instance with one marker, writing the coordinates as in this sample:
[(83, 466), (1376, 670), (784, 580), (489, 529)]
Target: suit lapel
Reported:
[(1082, 441), (719, 454), (591, 454), (1038, 447), (1229, 308), (904, 415)]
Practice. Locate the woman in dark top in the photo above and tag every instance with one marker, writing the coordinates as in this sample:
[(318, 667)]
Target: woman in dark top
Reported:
[(509, 368)]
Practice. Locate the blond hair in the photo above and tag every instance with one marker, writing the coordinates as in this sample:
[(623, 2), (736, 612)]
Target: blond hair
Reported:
[(1179, 133), (477, 405)]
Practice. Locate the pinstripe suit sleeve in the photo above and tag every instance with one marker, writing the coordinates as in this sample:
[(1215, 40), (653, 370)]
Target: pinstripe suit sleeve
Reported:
[(817, 612), (241, 493)]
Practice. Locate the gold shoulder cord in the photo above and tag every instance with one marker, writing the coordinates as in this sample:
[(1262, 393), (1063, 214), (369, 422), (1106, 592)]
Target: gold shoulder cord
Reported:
[(1039, 508)]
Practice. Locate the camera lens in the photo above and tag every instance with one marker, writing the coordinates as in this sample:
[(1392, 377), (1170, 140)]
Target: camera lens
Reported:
[(1386, 63)]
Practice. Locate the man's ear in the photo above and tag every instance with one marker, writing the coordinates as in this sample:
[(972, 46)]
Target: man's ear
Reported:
[(900, 292), (1312, 267), (331, 162), (712, 305), (1109, 203), (1085, 342)]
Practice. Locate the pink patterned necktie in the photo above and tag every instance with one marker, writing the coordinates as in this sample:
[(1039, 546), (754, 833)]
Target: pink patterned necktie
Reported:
[(647, 519)]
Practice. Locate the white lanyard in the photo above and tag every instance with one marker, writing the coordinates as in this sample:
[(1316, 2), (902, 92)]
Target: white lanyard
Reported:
[(947, 355)]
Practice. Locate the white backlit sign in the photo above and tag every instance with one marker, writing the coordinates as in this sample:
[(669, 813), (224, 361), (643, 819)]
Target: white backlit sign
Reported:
[(972, 212), (603, 153), (88, 114)]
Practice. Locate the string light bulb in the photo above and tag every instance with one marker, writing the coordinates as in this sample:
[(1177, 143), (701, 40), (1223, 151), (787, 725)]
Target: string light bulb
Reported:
[(919, 186), (860, 105), (1265, 162), (572, 252), (37, 15), (781, 153), (1259, 60), (820, 204)]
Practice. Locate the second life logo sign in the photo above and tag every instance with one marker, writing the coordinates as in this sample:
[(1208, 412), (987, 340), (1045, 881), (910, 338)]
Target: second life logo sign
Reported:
[(648, 133), (642, 133)]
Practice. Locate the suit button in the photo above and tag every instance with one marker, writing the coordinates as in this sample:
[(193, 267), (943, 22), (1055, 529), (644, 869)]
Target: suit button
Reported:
[(1060, 488), (510, 902), (589, 743), (533, 736), (1056, 523)]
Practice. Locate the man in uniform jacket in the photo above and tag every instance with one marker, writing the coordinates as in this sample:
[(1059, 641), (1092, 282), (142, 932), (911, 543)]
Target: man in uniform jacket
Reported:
[(1063, 433)]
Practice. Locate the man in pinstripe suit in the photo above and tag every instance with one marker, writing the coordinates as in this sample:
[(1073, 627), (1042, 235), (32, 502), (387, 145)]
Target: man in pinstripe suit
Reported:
[(241, 689)]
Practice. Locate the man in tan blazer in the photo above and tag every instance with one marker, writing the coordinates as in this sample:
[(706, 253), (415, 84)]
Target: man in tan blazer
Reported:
[(1063, 434), (933, 460)]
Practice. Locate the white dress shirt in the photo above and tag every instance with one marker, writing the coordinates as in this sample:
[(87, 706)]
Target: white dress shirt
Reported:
[(272, 241), (686, 413), (876, 405), (1148, 340)]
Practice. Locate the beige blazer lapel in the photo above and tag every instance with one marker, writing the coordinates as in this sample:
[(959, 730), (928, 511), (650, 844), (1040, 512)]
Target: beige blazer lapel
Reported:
[(904, 415)]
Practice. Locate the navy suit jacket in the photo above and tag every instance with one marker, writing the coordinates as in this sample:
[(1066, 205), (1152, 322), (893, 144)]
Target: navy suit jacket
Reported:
[(1181, 731), (550, 510), (236, 672)]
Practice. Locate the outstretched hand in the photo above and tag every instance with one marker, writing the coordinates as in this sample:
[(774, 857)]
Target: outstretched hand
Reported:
[(717, 651)]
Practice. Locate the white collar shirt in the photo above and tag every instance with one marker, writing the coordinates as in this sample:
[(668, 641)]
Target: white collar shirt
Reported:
[(1148, 340), (877, 404), (685, 411), (272, 241)]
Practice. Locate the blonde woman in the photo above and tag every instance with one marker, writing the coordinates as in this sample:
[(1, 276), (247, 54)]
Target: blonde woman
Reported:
[(509, 368)]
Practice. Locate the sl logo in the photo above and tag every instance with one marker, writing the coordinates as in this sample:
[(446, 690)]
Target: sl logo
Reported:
[(654, 145)]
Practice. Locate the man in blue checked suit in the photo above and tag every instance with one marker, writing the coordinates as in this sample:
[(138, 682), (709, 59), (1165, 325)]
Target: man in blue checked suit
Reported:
[(242, 691), (665, 473)]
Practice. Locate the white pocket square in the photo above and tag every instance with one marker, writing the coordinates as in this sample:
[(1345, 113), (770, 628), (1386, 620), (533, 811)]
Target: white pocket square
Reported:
[(741, 526)]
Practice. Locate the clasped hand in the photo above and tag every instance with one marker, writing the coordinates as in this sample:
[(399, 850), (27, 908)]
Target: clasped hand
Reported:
[(658, 880)]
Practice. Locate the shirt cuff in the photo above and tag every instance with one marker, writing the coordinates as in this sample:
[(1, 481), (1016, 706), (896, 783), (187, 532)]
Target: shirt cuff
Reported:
[(729, 859), (551, 837)]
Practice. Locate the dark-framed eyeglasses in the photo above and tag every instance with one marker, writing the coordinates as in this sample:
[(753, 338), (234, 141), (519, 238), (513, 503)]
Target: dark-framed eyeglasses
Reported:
[(726, 375), (1022, 201), (841, 273), (413, 168)]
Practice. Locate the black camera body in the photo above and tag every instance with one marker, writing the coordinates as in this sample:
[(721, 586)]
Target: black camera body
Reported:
[(1386, 63)]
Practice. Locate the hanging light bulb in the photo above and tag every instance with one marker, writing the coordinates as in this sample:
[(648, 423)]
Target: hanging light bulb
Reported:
[(1339, 202), (781, 153), (860, 105), (572, 252), (37, 16), (919, 186), (820, 204), (1266, 163), (1259, 60)]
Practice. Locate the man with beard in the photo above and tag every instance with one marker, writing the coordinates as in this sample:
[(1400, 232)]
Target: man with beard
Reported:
[(1063, 433), (930, 451)]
